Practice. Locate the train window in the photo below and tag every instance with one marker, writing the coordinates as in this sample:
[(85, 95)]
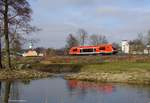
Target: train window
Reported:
[(74, 50), (81, 50), (102, 48), (87, 50)]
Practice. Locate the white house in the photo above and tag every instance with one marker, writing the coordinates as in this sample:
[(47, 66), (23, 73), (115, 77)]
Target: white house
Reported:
[(125, 46)]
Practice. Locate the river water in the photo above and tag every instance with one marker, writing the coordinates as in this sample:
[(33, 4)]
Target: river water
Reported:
[(58, 90)]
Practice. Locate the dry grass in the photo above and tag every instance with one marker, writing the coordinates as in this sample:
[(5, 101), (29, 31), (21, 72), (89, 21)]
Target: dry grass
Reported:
[(118, 67), (21, 74)]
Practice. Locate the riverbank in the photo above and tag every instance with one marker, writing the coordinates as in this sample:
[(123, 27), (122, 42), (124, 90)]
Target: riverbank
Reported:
[(115, 72), (58, 67), (119, 69), (22, 74)]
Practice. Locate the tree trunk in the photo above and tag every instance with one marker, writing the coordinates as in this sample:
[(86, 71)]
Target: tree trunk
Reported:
[(6, 32), (1, 66)]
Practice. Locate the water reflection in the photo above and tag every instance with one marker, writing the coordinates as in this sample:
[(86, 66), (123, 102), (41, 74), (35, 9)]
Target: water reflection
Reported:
[(108, 93), (7, 92), (58, 90), (101, 87), (10, 91)]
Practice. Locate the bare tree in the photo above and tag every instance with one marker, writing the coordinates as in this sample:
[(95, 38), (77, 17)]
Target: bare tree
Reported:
[(19, 30), (97, 39), (13, 12), (71, 41), (7, 92), (83, 35), (148, 37), (137, 44)]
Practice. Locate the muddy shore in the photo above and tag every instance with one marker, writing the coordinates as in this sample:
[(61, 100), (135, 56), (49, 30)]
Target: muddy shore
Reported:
[(113, 77)]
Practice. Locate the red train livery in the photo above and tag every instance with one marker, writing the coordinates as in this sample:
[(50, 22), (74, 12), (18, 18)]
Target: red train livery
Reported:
[(89, 50)]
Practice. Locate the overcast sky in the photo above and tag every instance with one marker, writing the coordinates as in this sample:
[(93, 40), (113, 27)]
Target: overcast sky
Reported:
[(117, 19)]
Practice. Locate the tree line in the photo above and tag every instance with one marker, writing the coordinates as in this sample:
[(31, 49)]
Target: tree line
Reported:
[(83, 38), (140, 42)]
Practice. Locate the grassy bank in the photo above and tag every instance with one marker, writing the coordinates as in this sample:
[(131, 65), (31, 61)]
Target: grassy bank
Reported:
[(120, 72), (118, 67)]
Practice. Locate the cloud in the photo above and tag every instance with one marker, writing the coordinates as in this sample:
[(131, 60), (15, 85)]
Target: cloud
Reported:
[(117, 19)]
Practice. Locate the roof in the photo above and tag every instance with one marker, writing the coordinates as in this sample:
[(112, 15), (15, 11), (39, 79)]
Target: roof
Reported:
[(92, 46)]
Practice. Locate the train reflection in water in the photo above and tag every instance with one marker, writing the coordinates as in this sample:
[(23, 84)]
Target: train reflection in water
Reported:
[(102, 87)]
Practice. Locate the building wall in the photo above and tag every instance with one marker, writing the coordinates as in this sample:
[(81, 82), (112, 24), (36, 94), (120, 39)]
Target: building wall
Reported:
[(125, 47), (30, 53)]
